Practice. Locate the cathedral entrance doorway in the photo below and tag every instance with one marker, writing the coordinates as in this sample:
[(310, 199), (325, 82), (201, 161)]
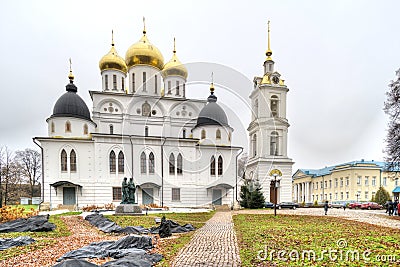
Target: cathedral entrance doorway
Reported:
[(69, 197), (217, 197), (147, 196)]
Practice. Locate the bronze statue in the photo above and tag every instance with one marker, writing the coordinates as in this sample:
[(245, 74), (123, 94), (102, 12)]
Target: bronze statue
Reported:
[(125, 192), (132, 190)]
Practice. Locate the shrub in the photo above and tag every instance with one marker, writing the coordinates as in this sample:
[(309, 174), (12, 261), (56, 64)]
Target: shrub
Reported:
[(109, 206)]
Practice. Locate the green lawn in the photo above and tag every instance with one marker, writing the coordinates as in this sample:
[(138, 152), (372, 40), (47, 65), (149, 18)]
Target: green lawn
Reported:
[(169, 248), (289, 240)]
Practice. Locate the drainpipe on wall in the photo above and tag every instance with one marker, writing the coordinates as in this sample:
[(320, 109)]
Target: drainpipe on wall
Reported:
[(237, 156), (162, 171), (41, 148)]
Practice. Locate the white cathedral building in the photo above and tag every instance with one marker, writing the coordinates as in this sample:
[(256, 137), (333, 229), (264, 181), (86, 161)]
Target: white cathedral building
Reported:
[(141, 125)]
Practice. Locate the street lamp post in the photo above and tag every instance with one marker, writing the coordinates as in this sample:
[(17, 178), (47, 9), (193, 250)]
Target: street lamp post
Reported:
[(275, 173)]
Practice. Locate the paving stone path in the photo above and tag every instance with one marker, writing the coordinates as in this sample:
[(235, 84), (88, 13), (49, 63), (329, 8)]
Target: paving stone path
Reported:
[(214, 244)]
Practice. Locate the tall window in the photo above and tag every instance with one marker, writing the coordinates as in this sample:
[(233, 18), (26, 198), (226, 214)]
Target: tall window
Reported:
[(122, 83), (184, 89), (184, 133), (330, 183), (203, 134), (133, 83), (146, 131), (121, 162), (212, 166), (106, 81), (384, 181), (155, 84), (336, 182), (171, 164), (144, 81), (146, 109), (67, 127), (111, 129), (179, 163), (169, 87), (220, 165), (359, 180), (176, 194), (143, 166), (63, 161), (274, 106), (151, 163), (112, 161), (254, 145), (177, 87), (274, 149), (72, 161), (85, 129), (117, 193), (114, 82), (218, 134), (341, 181), (52, 127), (373, 181), (366, 180), (347, 181)]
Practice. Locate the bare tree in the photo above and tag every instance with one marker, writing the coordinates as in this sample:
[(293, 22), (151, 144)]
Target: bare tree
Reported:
[(242, 164), (30, 162), (392, 108), (8, 171), (1, 175)]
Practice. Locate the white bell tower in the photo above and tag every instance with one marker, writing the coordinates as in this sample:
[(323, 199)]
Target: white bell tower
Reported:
[(268, 132)]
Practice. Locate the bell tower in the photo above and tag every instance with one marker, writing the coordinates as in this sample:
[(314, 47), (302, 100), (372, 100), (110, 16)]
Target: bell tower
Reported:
[(268, 132)]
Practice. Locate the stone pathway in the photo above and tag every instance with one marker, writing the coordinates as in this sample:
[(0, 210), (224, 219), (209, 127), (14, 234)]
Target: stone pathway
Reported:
[(214, 244)]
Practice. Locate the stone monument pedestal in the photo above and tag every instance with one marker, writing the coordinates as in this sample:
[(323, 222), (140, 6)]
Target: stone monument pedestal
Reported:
[(128, 209)]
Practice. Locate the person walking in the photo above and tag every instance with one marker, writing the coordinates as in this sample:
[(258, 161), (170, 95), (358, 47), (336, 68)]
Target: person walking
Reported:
[(396, 202), (390, 207), (344, 205), (326, 206)]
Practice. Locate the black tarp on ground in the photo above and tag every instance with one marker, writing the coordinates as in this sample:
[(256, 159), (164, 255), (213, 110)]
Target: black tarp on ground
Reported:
[(129, 245), (12, 242), (75, 263), (128, 251), (109, 226), (37, 223)]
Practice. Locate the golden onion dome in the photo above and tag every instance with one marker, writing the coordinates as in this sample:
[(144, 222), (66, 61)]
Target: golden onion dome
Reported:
[(112, 61), (174, 67), (144, 53)]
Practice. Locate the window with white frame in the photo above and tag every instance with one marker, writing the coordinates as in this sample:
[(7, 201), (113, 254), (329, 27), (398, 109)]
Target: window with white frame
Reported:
[(384, 181), (366, 195), (176, 194), (347, 181), (366, 180), (359, 180)]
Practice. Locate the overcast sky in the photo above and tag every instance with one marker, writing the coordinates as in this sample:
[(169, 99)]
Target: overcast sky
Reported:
[(337, 58)]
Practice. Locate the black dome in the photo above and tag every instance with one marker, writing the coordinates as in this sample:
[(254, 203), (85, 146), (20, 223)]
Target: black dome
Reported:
[(212, 114), (71, 105)]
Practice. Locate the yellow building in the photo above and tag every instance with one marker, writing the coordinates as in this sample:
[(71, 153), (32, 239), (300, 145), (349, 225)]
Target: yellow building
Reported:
[(352, 181)]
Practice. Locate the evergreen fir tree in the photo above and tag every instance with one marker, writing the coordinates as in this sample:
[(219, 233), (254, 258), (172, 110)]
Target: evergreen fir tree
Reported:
[(381, 196)]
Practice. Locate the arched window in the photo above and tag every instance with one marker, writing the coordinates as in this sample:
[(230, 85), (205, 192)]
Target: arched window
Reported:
[(146, 109), (177, 87), (274, 147), (220, 165), (122, 84), (146, 131), (133, 83), (151, 163), (184, 133), (112, 161), (179, 164), (218, 134), (212, 166), (171, 164), (72, 161), (52, 127), (229, 137), (143, 166), (111, 129), (203, 134), (274, 106), (254, 145), (85, 129), (184, 90), (67, 127), (144, 81), (63, 161), (155, 84), (121, 162)]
